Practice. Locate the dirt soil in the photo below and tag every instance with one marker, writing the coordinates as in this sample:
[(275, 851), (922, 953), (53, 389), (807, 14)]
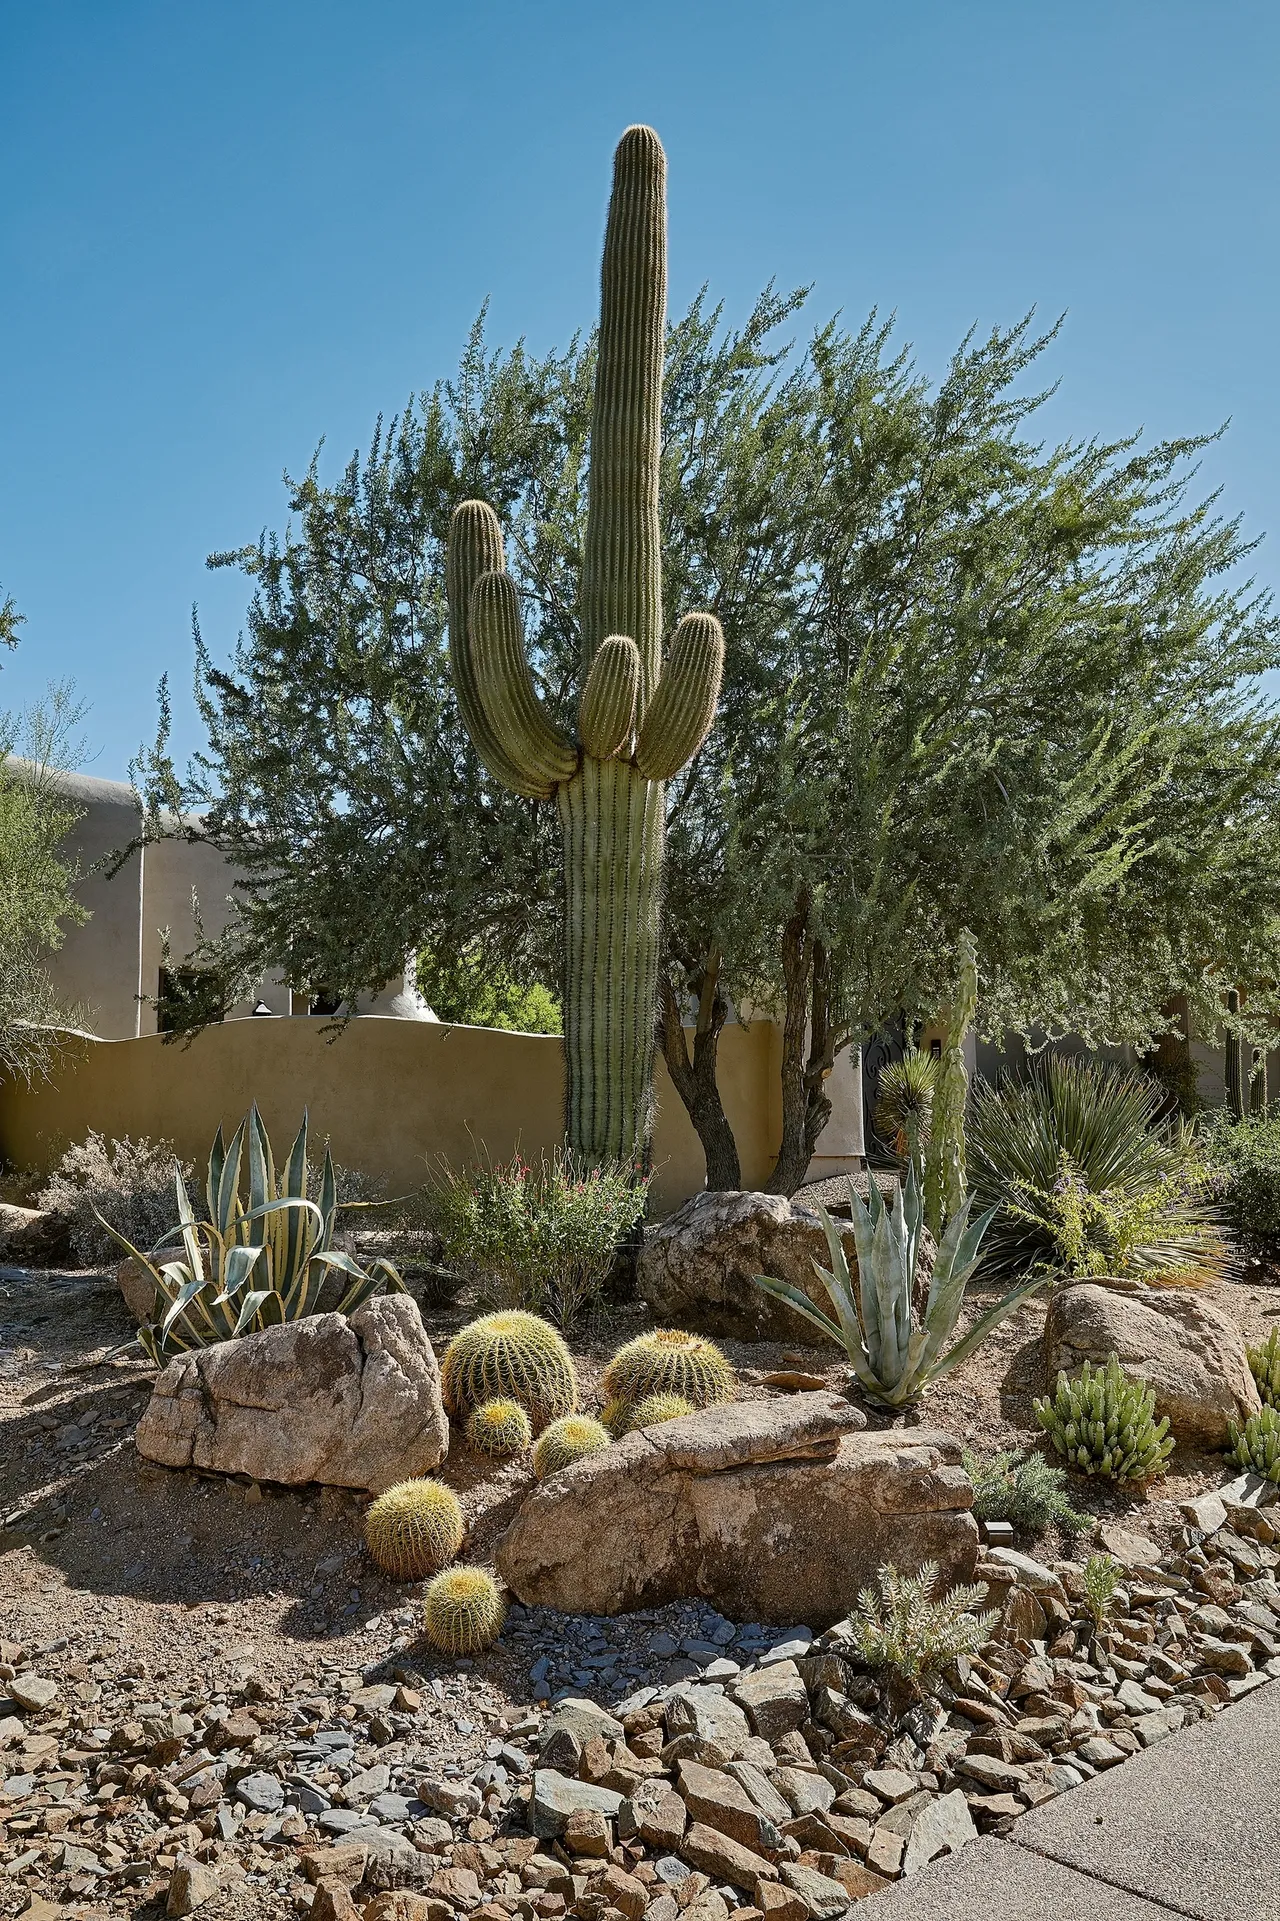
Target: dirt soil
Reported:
[(158, 1573)]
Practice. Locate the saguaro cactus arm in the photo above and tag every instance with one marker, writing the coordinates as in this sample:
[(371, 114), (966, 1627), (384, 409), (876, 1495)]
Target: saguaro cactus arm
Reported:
[(607, 713), (475, 548), (539, 751), (683, 707)]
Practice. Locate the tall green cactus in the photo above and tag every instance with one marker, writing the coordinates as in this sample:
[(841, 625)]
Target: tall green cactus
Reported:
[(639, 721), (945, 1183)]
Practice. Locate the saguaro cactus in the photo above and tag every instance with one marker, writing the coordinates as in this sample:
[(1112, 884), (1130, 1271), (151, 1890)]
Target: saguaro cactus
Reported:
[(639, 721)]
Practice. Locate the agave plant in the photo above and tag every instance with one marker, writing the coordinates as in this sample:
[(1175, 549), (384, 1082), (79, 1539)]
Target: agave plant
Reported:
[(894, 1358), (1085, 1179), (250, 1266)]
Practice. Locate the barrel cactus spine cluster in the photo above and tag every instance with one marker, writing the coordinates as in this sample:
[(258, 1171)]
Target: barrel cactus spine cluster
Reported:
[(639, 720)]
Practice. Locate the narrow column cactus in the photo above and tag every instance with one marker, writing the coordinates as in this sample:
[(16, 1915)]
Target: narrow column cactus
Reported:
[(945, 1183), (1237, 1088), (639, 721)]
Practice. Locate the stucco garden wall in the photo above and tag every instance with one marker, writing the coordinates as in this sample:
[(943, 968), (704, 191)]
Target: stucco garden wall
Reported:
[(391, 1095)]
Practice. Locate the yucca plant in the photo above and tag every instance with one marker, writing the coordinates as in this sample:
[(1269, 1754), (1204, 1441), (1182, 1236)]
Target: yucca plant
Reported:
[(895, 1359), (250, 1265), (904, 1111), (1085, 1180)]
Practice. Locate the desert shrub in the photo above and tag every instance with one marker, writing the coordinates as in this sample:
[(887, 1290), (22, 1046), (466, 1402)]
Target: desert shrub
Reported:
[(130, 1183), (1086, 1181), (1243, 1158), (1023, 1489), (906, 1631), (1104, 1422), (539, 1237)]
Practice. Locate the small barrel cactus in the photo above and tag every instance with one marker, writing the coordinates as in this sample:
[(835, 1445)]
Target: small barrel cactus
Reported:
[(464, 1610), (1265, 1363), (615, 1417), (499, 1428), (1256, 1446), (1103, 1422), (669, 1361), (414, 1528), (512, 1356), (656, 1408), (568, 1440)]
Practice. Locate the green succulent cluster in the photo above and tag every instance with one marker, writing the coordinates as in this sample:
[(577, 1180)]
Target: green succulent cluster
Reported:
[(1256, 1446), (464, 1610), (665, 1361), (566, 1441), (657, 1408), (414, 1528), (499, 1428), (1264, 1363), (1103, 1422), (1101, 1579), (513, 1356)]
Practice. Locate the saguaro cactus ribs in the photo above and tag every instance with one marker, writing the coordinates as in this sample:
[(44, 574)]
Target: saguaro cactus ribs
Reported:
[(639, 721)]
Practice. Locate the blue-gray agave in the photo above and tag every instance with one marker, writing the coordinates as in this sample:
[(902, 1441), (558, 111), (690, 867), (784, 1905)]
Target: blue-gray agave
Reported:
[(246, 1268), (895, 1359)]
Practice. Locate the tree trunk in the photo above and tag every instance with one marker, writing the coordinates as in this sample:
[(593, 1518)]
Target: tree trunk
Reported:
[(805, 1106), (695, 1080)]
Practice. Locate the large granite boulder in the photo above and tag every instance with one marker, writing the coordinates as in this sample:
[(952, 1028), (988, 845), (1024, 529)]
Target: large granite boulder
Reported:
[(352, 1402), (1189, 1352), (696, 1267), (775, 1510)]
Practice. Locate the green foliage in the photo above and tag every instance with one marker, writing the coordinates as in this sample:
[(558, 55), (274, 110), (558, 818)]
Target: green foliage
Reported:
[(904, 1629), (1244, 1161), (572, 1438), (895, 1359), (945, 1180), (1256, 1446), (1083, 1178), (666, 1360), (464, 1611), (540, 1237), (657, 1408), (251, 1262), (127, 1182), (1101, 1579), (499, 1428), (1264, 1363), (480, 996), (414, 1528), (37, 880), (510, 1355), (1103, 1422), (904, 1113), (1023, 1489)]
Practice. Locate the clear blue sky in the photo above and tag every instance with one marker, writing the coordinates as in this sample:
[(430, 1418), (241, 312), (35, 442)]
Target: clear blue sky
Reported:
[(231, 229)]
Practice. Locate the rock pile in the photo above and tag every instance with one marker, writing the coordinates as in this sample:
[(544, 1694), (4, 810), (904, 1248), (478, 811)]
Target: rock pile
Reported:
[(756, 1773)]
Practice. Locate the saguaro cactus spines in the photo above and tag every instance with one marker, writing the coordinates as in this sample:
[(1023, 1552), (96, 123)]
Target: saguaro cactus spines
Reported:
[(639, 721)]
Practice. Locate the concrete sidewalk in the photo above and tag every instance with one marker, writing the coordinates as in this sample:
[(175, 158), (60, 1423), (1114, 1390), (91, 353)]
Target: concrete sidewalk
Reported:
[(1190, 1827)]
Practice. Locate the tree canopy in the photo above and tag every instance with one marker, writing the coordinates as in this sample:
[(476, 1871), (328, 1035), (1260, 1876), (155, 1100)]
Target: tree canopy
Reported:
[(974, 682)]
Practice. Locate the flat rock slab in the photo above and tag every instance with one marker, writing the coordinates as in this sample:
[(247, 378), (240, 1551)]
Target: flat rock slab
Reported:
[(1193, 1822), (994, 1880), (350, 1402), (774, 1510)]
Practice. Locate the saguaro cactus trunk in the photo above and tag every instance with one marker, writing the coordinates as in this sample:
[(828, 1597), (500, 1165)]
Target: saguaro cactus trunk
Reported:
[(638, 720)]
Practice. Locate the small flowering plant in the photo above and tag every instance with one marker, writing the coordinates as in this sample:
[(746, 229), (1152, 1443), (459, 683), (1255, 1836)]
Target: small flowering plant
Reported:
[(538, 1236)]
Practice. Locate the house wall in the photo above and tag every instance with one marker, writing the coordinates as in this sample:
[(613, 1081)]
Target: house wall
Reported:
[(393, 1097)]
